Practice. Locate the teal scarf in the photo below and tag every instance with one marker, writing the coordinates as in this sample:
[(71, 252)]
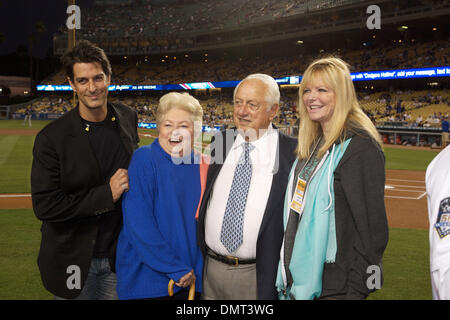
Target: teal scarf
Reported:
[(315, 240)]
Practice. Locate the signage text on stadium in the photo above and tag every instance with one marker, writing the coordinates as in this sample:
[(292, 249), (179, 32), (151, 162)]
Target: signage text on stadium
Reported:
[(356, 76)]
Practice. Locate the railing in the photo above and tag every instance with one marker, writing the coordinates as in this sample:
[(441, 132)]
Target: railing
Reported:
[(418, 136), (391, 134)]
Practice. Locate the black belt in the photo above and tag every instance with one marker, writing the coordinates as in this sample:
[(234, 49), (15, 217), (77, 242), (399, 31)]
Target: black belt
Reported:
[(230, 260)]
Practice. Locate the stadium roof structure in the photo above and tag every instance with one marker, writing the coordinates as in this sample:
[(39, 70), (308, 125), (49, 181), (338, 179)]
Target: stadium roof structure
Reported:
[(147, 27)]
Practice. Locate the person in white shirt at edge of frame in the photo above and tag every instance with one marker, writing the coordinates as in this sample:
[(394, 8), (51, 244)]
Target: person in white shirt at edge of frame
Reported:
[(437, 181)]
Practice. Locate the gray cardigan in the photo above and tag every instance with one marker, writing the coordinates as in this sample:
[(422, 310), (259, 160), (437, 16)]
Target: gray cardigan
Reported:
[(361, 222)]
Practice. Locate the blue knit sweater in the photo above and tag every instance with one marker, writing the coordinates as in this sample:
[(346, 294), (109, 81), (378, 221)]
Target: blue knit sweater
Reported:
[(158, 239)]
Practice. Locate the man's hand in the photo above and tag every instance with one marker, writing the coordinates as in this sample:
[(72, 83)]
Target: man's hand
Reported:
[(119, 183)]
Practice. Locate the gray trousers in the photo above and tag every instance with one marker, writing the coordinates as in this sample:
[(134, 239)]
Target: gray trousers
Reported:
[(224, 282)]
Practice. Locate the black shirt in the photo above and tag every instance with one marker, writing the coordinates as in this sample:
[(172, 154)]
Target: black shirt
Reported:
[(111, 155)]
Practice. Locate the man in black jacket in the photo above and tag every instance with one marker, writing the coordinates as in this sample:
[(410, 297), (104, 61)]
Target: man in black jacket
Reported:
[(77, 180)]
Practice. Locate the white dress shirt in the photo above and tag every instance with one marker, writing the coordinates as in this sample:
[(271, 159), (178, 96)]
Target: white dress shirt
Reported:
[(264, 163)]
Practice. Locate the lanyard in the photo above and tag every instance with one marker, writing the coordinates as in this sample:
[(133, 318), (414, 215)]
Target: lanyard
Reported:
[(303, 179)]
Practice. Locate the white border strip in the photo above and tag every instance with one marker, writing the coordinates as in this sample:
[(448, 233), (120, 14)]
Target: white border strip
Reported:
[(422, 195), (396, 197), (405, 190), (422, 181), (400, 185)]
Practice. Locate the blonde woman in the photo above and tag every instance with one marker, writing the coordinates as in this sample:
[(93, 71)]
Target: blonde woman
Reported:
[(334, 215), (158, 241)]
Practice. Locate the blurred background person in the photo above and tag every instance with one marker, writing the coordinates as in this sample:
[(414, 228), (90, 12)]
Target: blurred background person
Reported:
[(445, 130), (27, 117)]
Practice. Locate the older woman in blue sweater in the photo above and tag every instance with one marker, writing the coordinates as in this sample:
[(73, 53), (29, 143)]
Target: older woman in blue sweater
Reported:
[(158, 240)]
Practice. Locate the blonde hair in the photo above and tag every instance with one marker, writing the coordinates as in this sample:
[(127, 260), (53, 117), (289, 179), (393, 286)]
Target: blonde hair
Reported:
[(347, 111), (176, 100)]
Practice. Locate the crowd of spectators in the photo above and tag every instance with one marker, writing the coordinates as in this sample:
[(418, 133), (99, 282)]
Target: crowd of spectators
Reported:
[(137, 19), (217, 107), (422, 108), (48, 104), (402, 54), (224, 68), (148, 23), (411, 108), (144, 26), (172, 69)]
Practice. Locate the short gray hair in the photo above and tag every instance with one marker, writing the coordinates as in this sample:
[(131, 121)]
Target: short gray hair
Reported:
[(273, 91), (176, 100)]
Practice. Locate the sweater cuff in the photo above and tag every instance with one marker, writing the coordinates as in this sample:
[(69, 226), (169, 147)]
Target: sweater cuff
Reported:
[(104, 201), (177, 275)]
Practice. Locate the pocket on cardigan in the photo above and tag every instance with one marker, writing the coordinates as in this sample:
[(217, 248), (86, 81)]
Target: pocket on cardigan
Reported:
[(334, 279)]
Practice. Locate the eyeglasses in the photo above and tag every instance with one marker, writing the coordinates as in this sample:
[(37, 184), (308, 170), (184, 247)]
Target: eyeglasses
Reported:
[(251, 105)]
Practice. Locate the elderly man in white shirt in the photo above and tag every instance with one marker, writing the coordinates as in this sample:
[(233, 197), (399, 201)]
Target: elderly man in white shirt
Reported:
[(240, 219)]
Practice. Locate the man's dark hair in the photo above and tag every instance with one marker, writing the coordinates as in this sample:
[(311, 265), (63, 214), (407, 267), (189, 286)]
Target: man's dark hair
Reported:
[(85, 51)]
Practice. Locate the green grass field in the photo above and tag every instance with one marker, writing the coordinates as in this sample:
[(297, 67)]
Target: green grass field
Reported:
[(406, 260), (406, 266), (19, 245), (405, 159)]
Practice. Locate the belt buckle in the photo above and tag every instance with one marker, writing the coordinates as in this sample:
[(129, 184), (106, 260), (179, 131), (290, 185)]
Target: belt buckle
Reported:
[(236, 260)]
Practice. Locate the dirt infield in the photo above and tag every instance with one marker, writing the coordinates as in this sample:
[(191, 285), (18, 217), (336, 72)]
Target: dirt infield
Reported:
[(18, 132), (405, 199), (15, 201)]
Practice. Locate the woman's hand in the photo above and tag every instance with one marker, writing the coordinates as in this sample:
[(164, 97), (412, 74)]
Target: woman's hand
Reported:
[(119, 183), (186, 280)]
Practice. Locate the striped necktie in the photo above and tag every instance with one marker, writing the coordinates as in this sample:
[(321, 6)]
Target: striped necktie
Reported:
[(232, 227)]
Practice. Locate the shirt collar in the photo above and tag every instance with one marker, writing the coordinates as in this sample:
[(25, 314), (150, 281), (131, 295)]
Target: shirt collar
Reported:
[(257, 143)]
